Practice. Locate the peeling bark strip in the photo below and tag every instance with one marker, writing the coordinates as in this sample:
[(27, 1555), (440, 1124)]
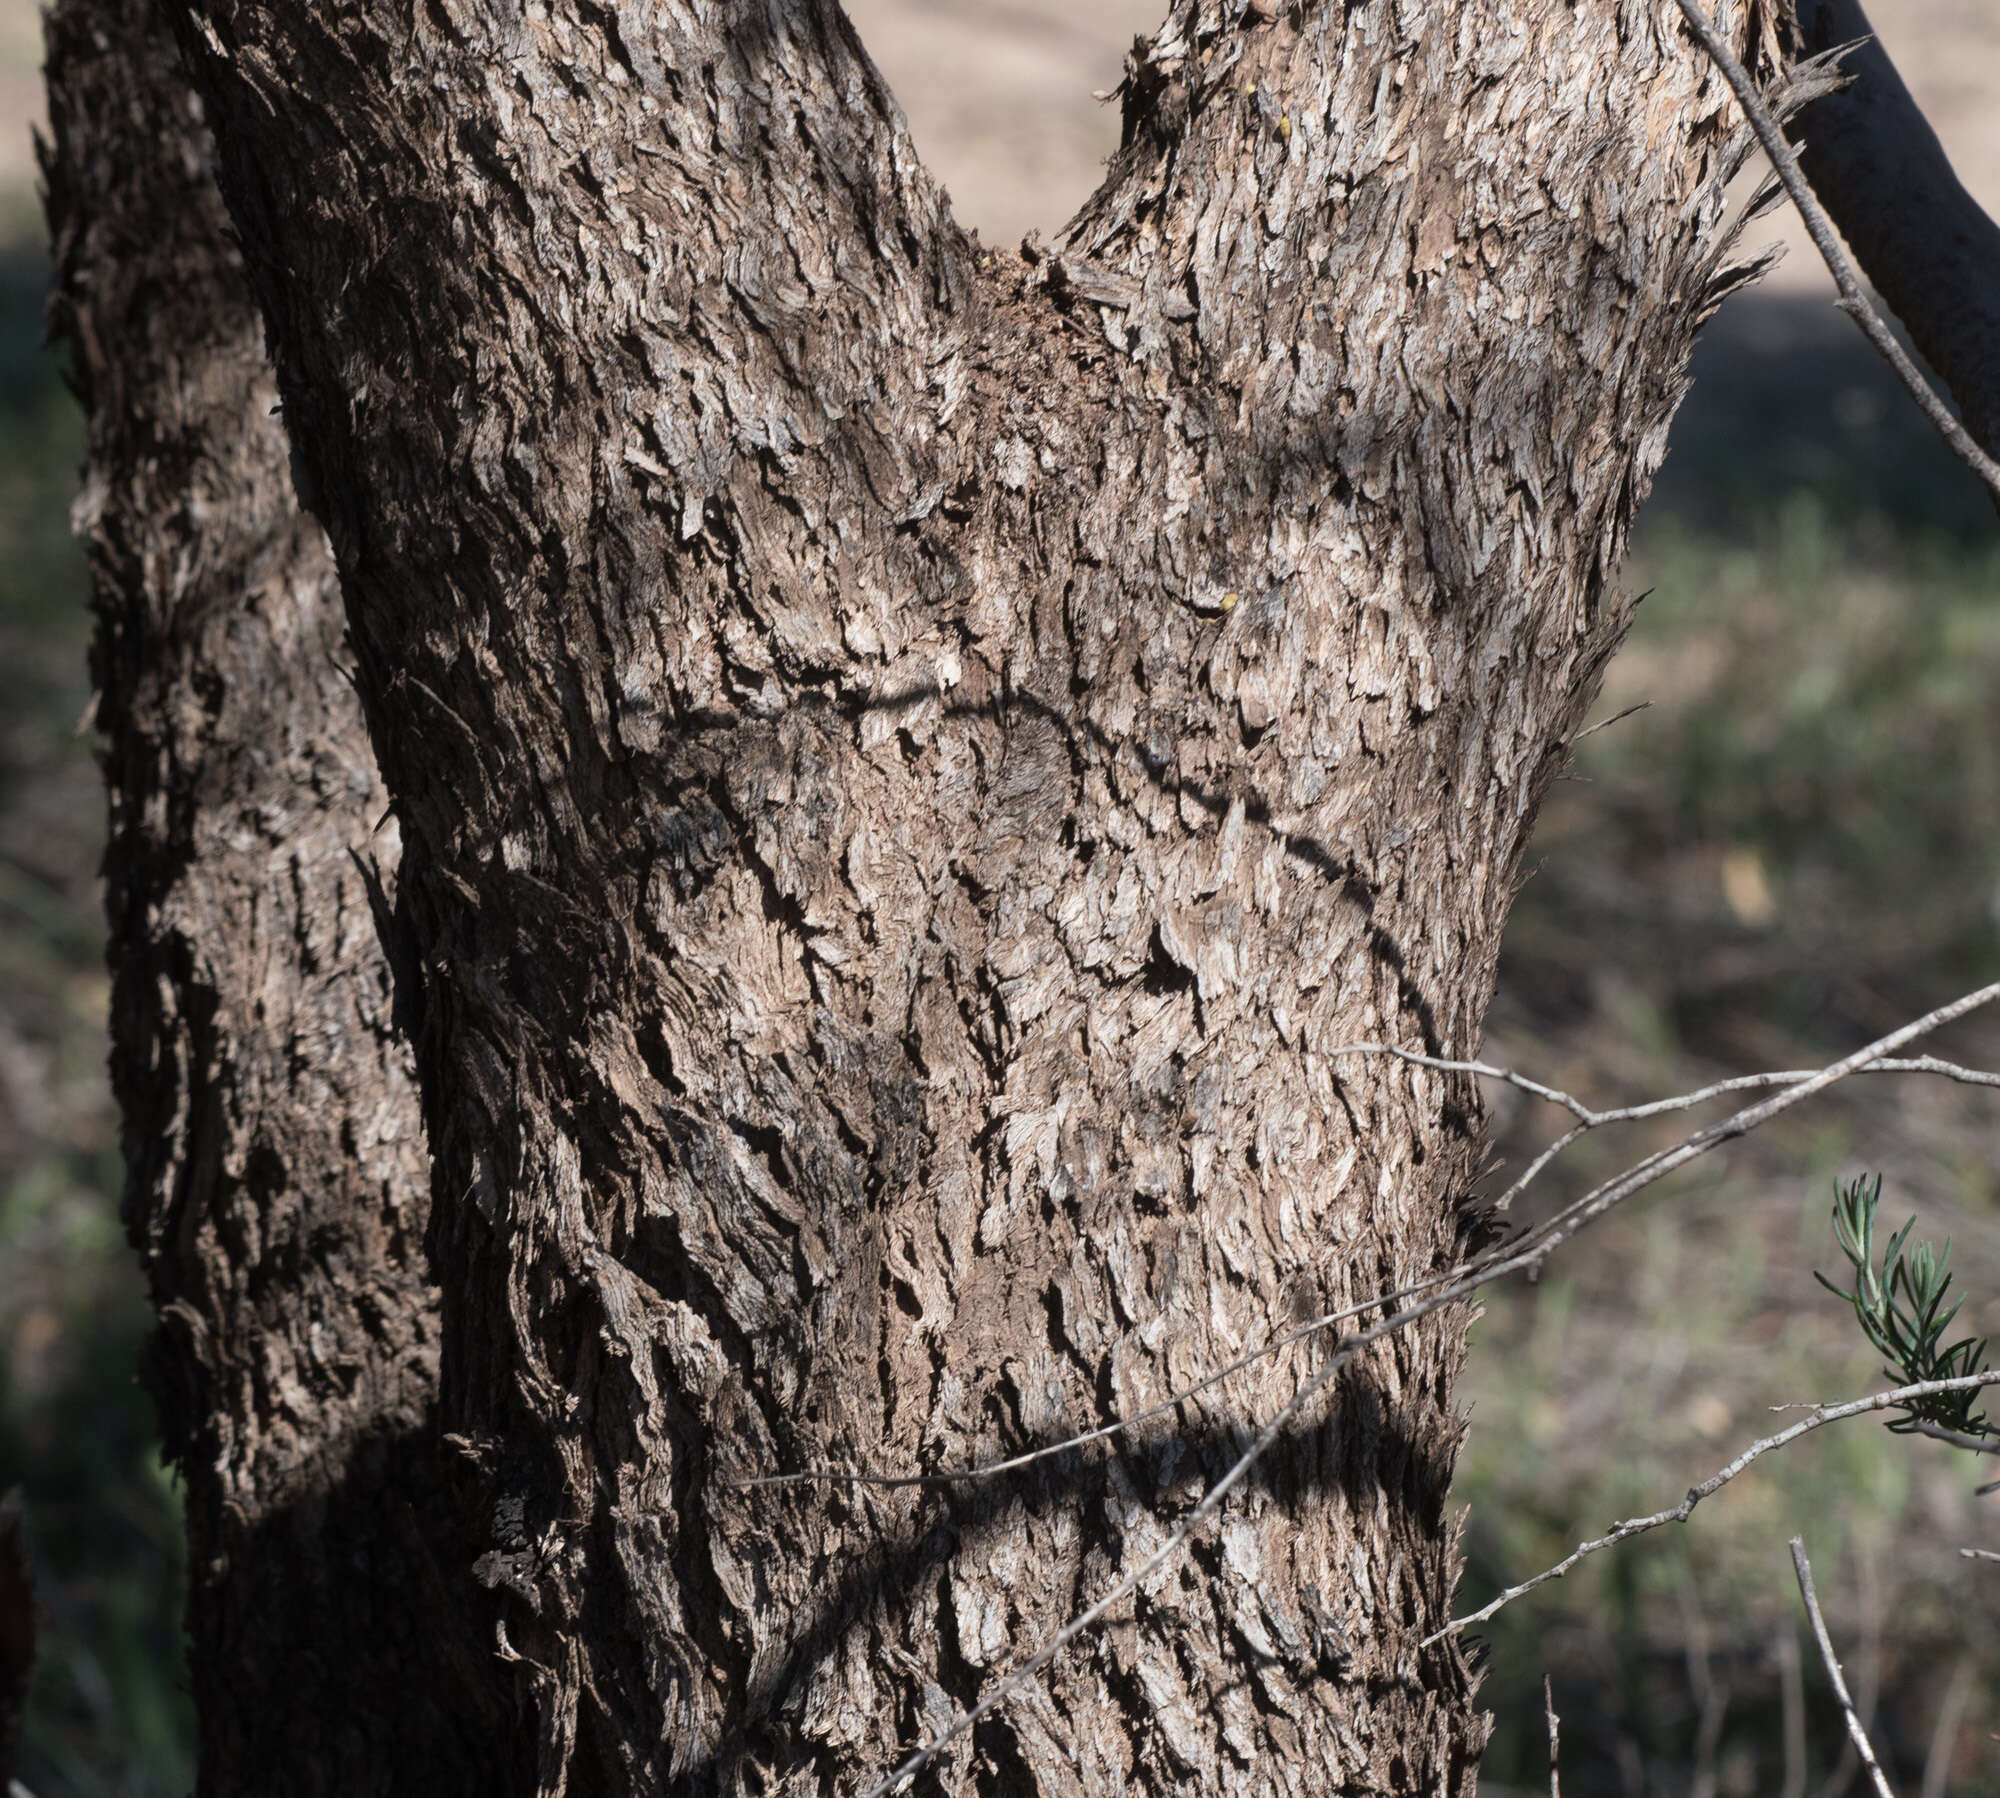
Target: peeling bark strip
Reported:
[(907, 762), (276, 1168)]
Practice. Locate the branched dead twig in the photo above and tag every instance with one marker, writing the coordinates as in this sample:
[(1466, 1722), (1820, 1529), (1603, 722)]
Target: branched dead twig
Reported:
[(1822, 1415), (1625, 1114), (1855, 1732), (1589, 1119), (1854, 299)]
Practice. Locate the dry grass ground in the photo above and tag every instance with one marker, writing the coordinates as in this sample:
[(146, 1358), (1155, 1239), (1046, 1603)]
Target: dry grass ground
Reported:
[(1794, 848)]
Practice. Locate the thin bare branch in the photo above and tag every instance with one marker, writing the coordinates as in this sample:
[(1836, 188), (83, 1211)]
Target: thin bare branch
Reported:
[(1555, 1737), (1854, 299), (1822, 1415), (1976, 1445), (1626, 1114), (1084, 1438), (1544, 1241), (1855, 1732), (1123, 1590), (1644, 705), (1979, 1554)]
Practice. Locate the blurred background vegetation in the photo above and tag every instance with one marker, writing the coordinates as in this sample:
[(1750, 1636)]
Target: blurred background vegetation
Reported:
[(1795, 847)]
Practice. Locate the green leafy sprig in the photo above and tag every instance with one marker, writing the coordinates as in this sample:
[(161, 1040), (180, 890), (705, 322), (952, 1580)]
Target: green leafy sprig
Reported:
[(1900, 1306)]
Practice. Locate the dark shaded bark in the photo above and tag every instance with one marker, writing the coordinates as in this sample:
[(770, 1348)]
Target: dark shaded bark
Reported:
[(908, 762), (278, 1180)]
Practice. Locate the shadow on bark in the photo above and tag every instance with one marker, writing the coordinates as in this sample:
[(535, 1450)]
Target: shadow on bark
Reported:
[(1359, 1454), (373, 1556)]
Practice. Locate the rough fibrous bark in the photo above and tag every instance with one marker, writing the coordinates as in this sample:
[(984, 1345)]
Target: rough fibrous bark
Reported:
[(909, 761), (278, 1186)]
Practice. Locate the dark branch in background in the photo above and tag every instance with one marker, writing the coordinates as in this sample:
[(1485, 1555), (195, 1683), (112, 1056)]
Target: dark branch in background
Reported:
[(1931, 251), (17, 1632), (1854, 300)]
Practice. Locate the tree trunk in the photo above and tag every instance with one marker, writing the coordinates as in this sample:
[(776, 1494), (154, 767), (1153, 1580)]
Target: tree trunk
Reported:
[(908, 762), (277, 1187)]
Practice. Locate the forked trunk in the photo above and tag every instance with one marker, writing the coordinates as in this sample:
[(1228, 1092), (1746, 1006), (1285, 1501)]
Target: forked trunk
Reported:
[(910, 763)]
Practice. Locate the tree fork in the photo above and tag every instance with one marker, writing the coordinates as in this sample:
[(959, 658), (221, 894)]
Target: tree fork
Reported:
[(907, 762)]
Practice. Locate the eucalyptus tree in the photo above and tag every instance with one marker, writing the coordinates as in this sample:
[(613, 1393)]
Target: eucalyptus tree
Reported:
[(744, 828)]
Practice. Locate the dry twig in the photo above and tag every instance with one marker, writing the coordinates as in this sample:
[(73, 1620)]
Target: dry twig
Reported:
[(1975, 1445), (1644, 705), (1526, 1253), (1856, 1734), (1638, 1526), (1542, 1243), (1549, 1704), (1210, 1504)]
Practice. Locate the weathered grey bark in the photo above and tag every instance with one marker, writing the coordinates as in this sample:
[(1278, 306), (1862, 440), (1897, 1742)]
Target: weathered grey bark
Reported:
[(1928, 246), (278, 1183), (907, 762)]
